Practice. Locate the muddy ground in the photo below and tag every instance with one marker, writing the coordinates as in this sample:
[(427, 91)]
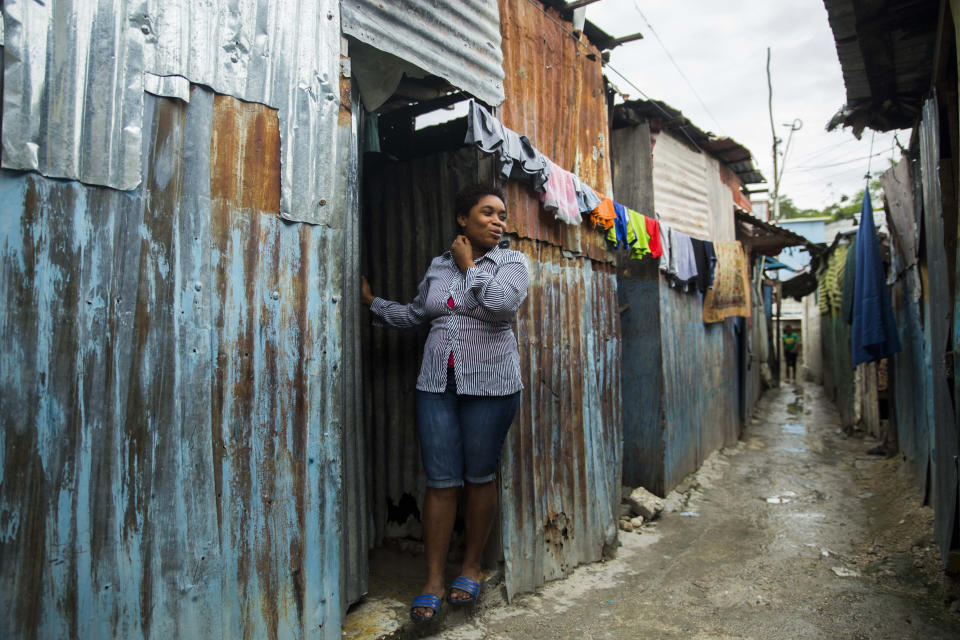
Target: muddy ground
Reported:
[(793, 533)]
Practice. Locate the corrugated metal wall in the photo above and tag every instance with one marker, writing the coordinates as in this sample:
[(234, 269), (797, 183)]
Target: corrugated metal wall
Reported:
[(680, 187), (937, 312), (909, 410), (838, 373), (683, 381), (701, 388), (560, 472), (171, 454), (555, 96), (85, 84), (458, 41)]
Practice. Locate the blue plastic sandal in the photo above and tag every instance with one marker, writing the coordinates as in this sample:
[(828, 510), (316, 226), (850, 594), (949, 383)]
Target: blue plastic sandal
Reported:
[(468, 586), (427, 601)]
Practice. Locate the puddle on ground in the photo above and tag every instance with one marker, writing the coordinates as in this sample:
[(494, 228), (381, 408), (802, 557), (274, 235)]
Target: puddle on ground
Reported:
[(794, 428), (795, 408)]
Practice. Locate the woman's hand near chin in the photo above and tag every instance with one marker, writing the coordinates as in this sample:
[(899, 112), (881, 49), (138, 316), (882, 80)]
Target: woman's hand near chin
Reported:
[(462, 251)]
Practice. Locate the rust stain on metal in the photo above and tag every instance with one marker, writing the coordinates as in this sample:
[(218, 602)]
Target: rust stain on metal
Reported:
[(560, 474), (248, 132), (346, 107), (179, 392), (555, 96)]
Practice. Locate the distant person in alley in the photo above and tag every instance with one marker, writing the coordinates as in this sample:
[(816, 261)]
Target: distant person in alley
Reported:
[(791, 349), (469, 386)]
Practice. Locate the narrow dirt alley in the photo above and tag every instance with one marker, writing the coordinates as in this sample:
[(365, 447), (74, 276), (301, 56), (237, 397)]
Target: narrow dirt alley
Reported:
[(793, 533)]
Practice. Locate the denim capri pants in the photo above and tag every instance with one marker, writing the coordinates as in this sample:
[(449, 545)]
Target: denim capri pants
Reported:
[(461, 436)]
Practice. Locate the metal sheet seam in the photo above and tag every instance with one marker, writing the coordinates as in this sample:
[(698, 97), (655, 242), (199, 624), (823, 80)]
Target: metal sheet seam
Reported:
[(281, 53)]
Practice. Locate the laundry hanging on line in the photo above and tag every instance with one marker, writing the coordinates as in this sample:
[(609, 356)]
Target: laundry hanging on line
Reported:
[(560, 195), (653, 230), (587, 198), (516, 156), (603, 216), (729, 293), (683, 262), (630, 231), (706, 260), (561, 191), (874, 333)]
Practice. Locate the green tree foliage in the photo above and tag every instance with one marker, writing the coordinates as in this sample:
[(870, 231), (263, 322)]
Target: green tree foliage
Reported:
[(844, 209), (789, 210)]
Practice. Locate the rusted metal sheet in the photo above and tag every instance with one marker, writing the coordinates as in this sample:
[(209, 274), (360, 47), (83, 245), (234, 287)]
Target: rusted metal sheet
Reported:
[(281, 53), (560, 470), (171, 452), (73, 90), (458, 40), (732, 183), (937, 328), (555, 96)]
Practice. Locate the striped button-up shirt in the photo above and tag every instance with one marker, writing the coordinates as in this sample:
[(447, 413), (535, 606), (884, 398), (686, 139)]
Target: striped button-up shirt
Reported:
[(476, 329)]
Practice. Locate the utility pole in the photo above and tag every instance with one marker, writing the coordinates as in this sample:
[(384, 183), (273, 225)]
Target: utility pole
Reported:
[(776, 141)]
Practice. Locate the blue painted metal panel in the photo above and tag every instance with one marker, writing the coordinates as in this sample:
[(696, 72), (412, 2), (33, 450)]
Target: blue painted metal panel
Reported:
[(813, 230), (561, 466), (684, 391), (907, 383), (701, 390), (172, 397)]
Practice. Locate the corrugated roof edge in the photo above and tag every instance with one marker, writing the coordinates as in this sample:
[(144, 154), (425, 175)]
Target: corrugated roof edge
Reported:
[(727, 150), (791, 239), (883, 91)]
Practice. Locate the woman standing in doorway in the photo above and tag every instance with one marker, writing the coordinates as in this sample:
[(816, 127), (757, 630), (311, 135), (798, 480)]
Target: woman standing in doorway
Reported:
[(469, 387)]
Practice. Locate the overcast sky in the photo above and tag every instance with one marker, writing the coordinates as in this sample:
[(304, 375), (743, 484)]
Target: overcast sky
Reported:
[(721, 48)]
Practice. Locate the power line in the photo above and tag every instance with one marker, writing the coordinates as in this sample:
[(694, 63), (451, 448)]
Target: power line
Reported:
[(838, 164), (653, 102), (825, 150), (677, 66)]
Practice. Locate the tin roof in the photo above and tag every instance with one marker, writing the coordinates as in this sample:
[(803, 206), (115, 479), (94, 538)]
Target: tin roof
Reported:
[(886, 54), (727, 150), (457, 41), (768, 238)]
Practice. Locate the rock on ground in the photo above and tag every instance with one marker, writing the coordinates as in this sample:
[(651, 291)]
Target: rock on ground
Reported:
[(645, 504)]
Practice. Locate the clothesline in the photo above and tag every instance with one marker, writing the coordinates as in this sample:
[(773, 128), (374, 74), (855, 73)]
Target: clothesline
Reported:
[(690, 264)]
